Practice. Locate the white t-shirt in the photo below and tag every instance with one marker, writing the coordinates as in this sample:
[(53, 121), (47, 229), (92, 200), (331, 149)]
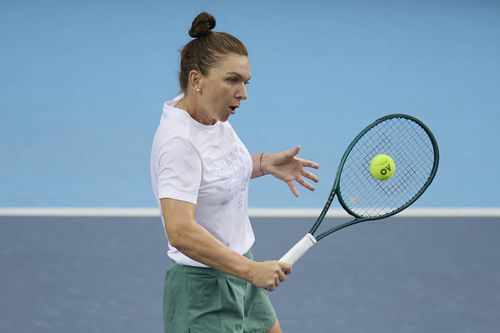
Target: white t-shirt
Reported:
[(206, 165)]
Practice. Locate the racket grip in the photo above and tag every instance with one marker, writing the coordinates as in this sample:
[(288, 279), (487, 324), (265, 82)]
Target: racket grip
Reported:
[(299, 249)]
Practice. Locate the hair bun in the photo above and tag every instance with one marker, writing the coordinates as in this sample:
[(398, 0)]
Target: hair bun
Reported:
[(202, 25)]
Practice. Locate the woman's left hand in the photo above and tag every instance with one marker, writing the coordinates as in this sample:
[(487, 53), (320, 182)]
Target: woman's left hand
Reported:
[(288, 167)]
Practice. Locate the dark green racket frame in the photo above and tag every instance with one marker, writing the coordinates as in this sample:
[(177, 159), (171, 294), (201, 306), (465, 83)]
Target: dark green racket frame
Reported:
[(336, 185)]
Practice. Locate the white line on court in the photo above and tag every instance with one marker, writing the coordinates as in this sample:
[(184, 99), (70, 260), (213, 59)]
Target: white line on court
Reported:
[(253, 212)]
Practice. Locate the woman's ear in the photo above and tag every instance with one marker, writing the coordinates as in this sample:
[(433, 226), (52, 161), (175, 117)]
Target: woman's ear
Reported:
[(195, 80)]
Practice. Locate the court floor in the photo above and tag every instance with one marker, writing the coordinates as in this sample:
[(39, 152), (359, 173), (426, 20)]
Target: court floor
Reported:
[(88, 274)]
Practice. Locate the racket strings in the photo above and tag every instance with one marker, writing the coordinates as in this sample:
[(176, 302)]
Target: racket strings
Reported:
[(413, 153)]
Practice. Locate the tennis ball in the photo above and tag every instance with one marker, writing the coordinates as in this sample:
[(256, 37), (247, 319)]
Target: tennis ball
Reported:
[(382, 167)]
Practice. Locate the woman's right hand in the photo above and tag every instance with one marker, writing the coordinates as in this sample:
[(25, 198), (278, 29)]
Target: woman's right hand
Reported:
[(269, 274)]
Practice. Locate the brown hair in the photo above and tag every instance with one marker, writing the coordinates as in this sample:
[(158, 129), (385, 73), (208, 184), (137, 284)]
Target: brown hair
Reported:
[(207, 47)]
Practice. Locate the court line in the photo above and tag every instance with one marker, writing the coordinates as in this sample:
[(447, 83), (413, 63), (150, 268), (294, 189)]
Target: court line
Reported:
[(252, 212)]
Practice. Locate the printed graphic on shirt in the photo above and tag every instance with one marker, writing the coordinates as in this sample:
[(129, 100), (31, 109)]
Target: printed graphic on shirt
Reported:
[(235, 170)]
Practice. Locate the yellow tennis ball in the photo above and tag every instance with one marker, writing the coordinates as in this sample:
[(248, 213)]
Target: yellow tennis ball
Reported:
[(382, 167)]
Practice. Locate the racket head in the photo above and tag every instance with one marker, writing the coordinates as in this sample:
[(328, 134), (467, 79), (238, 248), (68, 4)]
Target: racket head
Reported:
[(415, 152)]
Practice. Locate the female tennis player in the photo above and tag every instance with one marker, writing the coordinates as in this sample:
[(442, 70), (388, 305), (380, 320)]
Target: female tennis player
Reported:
[(200, 172)]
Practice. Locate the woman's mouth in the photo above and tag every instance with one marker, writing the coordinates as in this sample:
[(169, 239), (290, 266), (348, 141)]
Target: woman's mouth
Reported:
[(232, 109)]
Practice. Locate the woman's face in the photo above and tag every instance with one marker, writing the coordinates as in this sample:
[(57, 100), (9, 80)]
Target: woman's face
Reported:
[(223, 89)]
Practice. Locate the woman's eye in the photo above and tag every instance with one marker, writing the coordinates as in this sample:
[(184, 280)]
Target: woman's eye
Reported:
[(233, 80)]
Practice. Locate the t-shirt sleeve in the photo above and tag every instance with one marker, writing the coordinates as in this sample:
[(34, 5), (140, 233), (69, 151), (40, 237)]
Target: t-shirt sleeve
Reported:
[(179, 171)]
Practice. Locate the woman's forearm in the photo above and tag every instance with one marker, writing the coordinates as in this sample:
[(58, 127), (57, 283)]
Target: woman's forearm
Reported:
[(198, 244), (257, 165)]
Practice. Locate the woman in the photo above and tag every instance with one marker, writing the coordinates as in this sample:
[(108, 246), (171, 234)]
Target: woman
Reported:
[(200, 172)]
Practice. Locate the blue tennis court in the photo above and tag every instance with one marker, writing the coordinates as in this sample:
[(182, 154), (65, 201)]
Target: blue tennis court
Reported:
[(105, 274)]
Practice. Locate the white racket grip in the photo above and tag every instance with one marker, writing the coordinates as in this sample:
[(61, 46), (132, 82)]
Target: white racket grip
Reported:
[(299, 249)]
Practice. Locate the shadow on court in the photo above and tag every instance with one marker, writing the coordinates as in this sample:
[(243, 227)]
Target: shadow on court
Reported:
[(400, 275)]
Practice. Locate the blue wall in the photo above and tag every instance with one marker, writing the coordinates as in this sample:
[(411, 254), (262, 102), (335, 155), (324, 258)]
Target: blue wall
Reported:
[(82, 85)]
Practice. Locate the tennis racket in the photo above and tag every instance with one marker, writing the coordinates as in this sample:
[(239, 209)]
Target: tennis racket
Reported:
[(415, 152)]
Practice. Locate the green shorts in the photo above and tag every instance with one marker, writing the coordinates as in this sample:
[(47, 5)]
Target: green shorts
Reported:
[(204, 300)]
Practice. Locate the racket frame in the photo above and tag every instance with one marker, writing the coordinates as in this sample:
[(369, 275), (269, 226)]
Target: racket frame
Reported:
[(310, 240), (336, 184)]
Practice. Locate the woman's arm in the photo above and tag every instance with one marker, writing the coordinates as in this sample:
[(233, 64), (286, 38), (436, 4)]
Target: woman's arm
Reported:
[(257, 170), (197, 243)]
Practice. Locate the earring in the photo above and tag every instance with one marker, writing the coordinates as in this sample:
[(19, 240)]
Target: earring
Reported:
[(197, 90)]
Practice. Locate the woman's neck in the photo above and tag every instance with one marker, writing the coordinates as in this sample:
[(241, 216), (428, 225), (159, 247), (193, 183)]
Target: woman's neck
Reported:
[(188, 105)]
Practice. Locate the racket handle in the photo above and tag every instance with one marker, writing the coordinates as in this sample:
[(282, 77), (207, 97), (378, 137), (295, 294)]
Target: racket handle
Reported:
[(299, 249)]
